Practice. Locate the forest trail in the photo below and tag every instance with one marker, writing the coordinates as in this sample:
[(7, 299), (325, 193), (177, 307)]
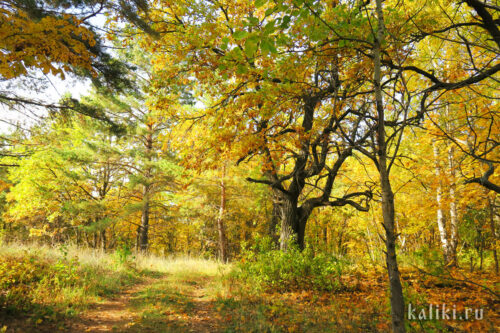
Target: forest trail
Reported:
[(112, 315), (166, 304)]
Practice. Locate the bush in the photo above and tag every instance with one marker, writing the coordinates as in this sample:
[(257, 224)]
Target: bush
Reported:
[(430, 259), (124, 254), (20, 276), (53, 285), (269, 269)]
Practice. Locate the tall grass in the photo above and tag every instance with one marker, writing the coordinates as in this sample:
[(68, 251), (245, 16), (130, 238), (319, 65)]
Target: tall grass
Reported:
[(44, 281), (85, 256), (100, 259), (179, 265)]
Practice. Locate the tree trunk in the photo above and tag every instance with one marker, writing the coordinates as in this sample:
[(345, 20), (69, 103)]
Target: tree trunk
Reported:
[(397, 300), (77, 236), (491, 206), (368, 240), (220, 219), (87, 240), (453, 208), (289, 223), (481, 251), (103, 240), (275, 217), (340, 244), (388, 211), (293, 223), (439, 213), (301, 226), (325, 238), (143, 229)]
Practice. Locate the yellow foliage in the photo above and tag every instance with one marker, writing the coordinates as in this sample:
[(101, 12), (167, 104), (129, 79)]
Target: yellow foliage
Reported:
[(49, 43)]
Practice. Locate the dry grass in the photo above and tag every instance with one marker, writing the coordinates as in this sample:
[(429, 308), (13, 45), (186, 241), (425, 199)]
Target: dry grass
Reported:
[(97, 258), (180, 265)]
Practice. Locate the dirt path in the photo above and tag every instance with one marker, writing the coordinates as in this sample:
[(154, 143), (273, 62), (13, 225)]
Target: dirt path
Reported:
[(113, 315), (189, 309), (202, 318)]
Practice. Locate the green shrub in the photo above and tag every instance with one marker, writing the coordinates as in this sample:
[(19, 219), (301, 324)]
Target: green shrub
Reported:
[(124, 253), (269, 269), (430, 259)]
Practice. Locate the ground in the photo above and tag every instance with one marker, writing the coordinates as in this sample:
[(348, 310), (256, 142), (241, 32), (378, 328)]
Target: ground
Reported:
[(193, 303), (99, 293)]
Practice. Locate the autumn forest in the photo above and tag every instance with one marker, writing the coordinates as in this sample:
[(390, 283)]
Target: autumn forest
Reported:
[(249, 166)]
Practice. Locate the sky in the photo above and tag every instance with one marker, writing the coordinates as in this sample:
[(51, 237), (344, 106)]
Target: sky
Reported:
[(54, 89)]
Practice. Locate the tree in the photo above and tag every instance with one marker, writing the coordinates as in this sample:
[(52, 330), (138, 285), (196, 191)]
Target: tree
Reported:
[(58, 37), (33, 37), (270, 102), (473, 36), (471, 126), (42, 38), (220, 219), (274, 100), (149, 168), (384, 166), (74, 185)]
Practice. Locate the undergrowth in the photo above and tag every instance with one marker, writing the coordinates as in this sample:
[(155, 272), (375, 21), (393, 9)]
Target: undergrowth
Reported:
[(268, 269), (47, 284)]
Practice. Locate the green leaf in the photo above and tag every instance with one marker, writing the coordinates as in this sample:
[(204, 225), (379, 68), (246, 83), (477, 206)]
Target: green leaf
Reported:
[(251, 46), (241, 69), (253, 21), (240, 34), (285, 21), (267, 46), (269, 11), (225, 41), (235, 54), (318, 34), (269, 28), (259, 3)]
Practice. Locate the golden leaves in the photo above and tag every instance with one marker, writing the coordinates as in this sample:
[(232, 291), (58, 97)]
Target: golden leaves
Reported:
[(51, 44)]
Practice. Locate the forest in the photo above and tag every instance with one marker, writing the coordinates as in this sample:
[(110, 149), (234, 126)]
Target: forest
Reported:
[(249, 166)]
